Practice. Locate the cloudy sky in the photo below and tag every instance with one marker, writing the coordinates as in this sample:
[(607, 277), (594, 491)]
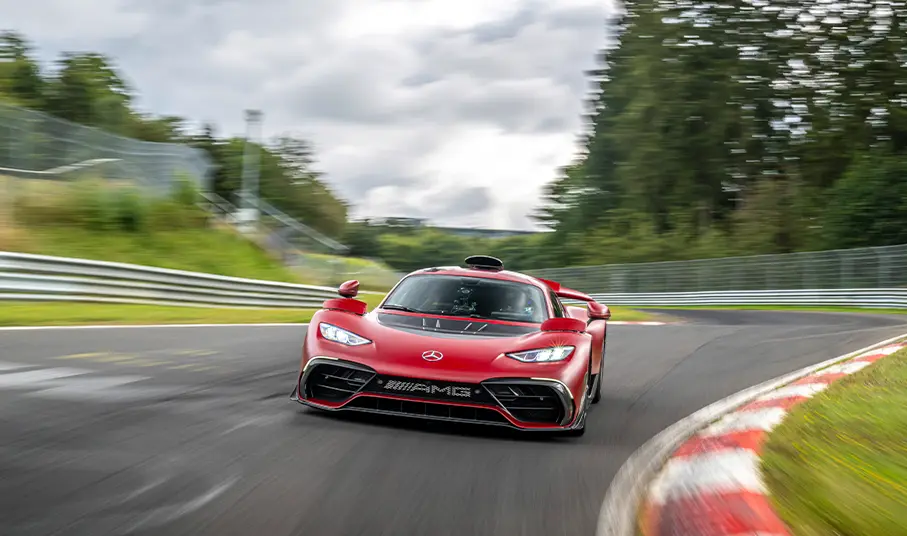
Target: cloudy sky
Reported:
[(454, 110)]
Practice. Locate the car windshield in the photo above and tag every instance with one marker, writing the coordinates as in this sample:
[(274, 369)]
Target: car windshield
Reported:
[(472, 297)]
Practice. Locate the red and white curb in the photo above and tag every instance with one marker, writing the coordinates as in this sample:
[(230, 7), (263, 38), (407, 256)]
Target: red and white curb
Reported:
[(632, 485), (712, 485)]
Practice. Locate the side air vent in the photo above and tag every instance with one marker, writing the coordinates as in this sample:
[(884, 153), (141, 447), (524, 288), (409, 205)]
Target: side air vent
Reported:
[(335, 383), (529, 402)]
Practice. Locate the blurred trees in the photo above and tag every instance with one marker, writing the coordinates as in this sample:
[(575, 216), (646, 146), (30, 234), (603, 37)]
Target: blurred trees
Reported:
[(740, 128), (713, 129), (88, 89)]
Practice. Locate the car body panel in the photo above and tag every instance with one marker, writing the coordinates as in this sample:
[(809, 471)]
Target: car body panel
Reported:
[(470, 352)]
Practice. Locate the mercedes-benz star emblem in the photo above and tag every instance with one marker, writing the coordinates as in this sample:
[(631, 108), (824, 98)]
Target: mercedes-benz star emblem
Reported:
[(432, 355)]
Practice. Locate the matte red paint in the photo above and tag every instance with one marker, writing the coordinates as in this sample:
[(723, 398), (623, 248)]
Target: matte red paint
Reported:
[(597, 311), (347, 305), (469, 360), (563, 324)]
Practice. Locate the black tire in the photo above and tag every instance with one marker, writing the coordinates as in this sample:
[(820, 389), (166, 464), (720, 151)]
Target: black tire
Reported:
[(597, 387)]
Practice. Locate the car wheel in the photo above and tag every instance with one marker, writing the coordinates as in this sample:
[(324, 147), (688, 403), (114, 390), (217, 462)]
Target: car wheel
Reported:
[(597, 384)]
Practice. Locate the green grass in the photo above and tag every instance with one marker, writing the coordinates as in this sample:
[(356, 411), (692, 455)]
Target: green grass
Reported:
[(625, 314), (74, 314), (199, 250), (109, 221), (70, 314), (838, 463)]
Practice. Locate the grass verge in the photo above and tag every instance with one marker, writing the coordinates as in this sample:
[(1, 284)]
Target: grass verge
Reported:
[(838, 463), (74, 314), (195, 250), (625, 314)]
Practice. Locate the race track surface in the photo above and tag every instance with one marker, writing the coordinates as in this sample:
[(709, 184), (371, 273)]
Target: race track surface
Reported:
[(189, 431)]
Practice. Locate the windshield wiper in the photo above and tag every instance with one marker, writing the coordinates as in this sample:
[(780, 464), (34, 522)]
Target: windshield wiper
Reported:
[(405, 309)]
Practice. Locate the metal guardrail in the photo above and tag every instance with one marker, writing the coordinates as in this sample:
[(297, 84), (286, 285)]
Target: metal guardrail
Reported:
[(857, 268), (883, 298), (26, 277)]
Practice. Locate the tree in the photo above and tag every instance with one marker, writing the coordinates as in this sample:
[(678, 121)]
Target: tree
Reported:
[(20, 75), (868, 206)]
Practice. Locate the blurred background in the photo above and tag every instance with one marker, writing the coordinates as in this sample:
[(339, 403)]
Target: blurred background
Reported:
[(708, 132)]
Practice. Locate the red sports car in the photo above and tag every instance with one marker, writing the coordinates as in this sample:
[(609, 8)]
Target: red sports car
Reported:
[(476, 344)]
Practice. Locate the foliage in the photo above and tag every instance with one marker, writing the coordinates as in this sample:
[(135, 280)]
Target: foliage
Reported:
[(89, 89), (740, 129), (95, 220)]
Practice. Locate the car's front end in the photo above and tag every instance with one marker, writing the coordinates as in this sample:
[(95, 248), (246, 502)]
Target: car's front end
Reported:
[(524, 403), (445, 374)]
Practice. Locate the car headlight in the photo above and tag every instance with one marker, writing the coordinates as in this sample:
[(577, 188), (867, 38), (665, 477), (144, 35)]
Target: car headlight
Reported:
[(543, 355), (342, 336)]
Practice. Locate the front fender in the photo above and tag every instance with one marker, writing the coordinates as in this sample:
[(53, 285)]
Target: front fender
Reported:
[(598, 329)]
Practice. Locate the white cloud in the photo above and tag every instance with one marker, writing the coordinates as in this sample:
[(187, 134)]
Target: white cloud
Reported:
[(456, 111)]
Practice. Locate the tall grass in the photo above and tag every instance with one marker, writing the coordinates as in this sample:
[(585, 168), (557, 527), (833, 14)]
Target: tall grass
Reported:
[(117, 222), (97, 205)]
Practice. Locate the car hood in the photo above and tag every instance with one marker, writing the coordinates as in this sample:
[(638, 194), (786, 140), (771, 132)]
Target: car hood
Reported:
[(451, 328), (403, 339)]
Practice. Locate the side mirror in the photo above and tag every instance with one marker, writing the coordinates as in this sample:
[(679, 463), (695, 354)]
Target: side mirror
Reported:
[(563, 324), (598, 311), (350, 289)]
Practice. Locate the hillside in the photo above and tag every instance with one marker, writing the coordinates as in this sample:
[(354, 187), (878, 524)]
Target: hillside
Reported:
[(107, 222)]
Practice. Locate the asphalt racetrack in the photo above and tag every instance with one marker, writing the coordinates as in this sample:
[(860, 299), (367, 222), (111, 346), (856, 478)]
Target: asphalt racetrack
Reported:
[(189, 431)]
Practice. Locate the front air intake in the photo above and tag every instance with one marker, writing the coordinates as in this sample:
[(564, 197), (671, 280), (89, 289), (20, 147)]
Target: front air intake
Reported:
[(332, 382), (530, 402), (427, 410)]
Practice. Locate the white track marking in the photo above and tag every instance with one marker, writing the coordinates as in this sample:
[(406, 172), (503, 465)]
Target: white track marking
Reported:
[(807, 389), (76, 384), (99, 388), (761, 419), (36, 378), (845, 368), (12, 366), (725, 471)]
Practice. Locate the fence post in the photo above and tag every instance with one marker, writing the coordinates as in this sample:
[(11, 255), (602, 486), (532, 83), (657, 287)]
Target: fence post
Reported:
[(882, 271)]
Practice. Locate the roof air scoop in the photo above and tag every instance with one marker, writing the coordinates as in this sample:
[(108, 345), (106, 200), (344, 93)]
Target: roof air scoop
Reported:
[(484, 262)]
